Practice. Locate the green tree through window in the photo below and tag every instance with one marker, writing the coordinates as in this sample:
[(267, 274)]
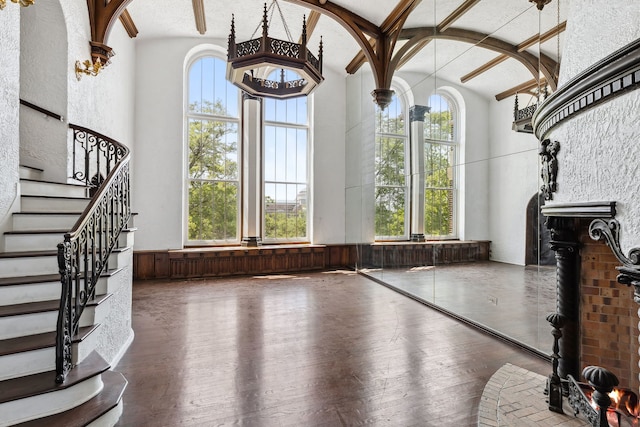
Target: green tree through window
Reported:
[(440, 155), (390, 172), (213, 175)]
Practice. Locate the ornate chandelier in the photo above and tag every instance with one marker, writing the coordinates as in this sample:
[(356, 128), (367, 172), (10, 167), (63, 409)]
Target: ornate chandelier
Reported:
[(23, 3), (268, 67)]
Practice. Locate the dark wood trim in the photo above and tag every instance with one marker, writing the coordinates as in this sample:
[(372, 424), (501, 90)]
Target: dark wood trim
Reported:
[(481, 69), (522, 88), (614, 75), (128, 24), (230, 261), (580, 210), (546, 65), (198, 13), (42, 110), (456, 14)]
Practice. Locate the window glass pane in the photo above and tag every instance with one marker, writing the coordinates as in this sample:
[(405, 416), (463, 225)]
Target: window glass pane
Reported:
[(213, 153), (439, 122), (391, 190), (285, 169), (213, 210)]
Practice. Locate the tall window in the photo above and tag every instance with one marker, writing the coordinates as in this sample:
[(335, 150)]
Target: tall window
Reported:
[(391, 172), (286, 156), (213, 169), (440, 144)]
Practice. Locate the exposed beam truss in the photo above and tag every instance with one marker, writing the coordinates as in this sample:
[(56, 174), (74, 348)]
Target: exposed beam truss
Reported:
[(456, 14), (526, 87), (102, 17), (377, 42), (531, 41), (198, 14), (128, 24)]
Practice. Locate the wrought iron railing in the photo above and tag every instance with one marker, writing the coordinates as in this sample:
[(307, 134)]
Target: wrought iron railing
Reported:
[(102, 164)]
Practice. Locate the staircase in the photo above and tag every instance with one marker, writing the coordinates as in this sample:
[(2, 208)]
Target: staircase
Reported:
[(30, 292)]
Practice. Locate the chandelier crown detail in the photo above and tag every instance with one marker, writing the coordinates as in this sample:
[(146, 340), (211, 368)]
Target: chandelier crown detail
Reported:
[(252, 64)]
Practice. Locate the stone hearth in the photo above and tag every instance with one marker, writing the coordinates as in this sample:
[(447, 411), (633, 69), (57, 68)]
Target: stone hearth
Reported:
[(515, 397)]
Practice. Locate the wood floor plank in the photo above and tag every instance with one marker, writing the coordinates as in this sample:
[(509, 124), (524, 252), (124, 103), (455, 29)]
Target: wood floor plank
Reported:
[(313, 349)]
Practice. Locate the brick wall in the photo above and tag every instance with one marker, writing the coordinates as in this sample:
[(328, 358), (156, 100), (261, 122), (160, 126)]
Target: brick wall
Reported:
[(608, 314)]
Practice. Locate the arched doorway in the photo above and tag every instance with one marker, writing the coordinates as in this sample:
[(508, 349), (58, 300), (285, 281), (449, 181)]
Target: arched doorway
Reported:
[(537, 251)]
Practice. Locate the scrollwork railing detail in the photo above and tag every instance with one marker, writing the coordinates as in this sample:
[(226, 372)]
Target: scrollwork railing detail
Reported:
[(84, 254)]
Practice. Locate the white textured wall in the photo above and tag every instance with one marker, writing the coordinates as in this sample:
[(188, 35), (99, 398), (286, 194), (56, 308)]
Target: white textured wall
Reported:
[(9, 102), (513, 180), (43, 82), (599, 148)]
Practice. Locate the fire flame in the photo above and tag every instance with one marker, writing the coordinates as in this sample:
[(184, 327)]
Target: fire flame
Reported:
[(625, 401)]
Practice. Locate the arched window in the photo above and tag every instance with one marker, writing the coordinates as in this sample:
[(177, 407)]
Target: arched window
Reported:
[(286, 171), (213, 175), (440, 151), (391, 167)]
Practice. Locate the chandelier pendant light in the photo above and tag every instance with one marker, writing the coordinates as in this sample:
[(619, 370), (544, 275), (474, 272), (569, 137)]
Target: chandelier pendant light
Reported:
[(251, 64)]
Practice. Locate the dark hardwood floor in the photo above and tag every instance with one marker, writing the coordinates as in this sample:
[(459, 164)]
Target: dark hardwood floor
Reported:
[(314, 349)]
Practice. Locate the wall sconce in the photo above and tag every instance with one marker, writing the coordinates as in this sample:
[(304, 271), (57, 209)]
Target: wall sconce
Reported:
[(23, 3), (89, 68)]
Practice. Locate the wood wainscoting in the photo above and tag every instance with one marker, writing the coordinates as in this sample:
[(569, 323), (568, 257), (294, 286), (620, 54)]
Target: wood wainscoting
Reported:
[(229, 261)]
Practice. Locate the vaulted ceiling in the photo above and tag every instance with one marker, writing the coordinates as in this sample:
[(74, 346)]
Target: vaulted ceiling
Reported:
[(489, 46)]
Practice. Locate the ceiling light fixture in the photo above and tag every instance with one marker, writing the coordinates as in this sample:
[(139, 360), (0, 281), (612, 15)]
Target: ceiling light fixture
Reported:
[(253, 65)]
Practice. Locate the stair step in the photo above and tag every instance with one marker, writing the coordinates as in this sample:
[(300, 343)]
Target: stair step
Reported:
[(33, 240), (30, 172), (32, 263), (41, 317), (35, 263), (52, 203), (108, 399), (30, 397), (39, 341), (22, 290), (44, 220), (33, 187), (33, 354)]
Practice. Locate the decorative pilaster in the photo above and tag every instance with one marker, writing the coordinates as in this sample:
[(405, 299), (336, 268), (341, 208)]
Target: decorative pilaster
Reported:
[(416, 135), (564, 242), (252, 171)]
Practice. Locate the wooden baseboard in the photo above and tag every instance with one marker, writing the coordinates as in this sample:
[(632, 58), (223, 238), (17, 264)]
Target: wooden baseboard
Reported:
[(217, 262)]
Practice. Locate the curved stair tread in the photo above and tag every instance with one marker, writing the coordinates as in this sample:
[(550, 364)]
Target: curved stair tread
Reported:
[(43, 306), (45, 382), (25, 280), (31, 232), (28, 254), (39, 341), (114, 386)]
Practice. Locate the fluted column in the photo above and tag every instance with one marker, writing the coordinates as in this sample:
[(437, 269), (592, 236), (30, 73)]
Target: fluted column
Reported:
[(251, 171), (416, 135)]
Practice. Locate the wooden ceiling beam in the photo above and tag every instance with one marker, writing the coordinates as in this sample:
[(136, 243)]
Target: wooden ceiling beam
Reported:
[(198, 14), (102, 17), (524, 87), (456, 14), (377, 43), (531, 41), (410, 54), (481, 69), (128, 24)]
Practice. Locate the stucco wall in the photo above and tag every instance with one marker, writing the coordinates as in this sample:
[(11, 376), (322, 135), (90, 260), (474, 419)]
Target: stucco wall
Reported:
[(513, 180), (9, 102), (599, 147)]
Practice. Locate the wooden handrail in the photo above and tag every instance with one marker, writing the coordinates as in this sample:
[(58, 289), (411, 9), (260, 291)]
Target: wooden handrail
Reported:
[(41, 110)]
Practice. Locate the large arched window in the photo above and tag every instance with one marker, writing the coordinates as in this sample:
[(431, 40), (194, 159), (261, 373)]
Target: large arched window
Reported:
[(391, 166), (213, 173), (441, 141)]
